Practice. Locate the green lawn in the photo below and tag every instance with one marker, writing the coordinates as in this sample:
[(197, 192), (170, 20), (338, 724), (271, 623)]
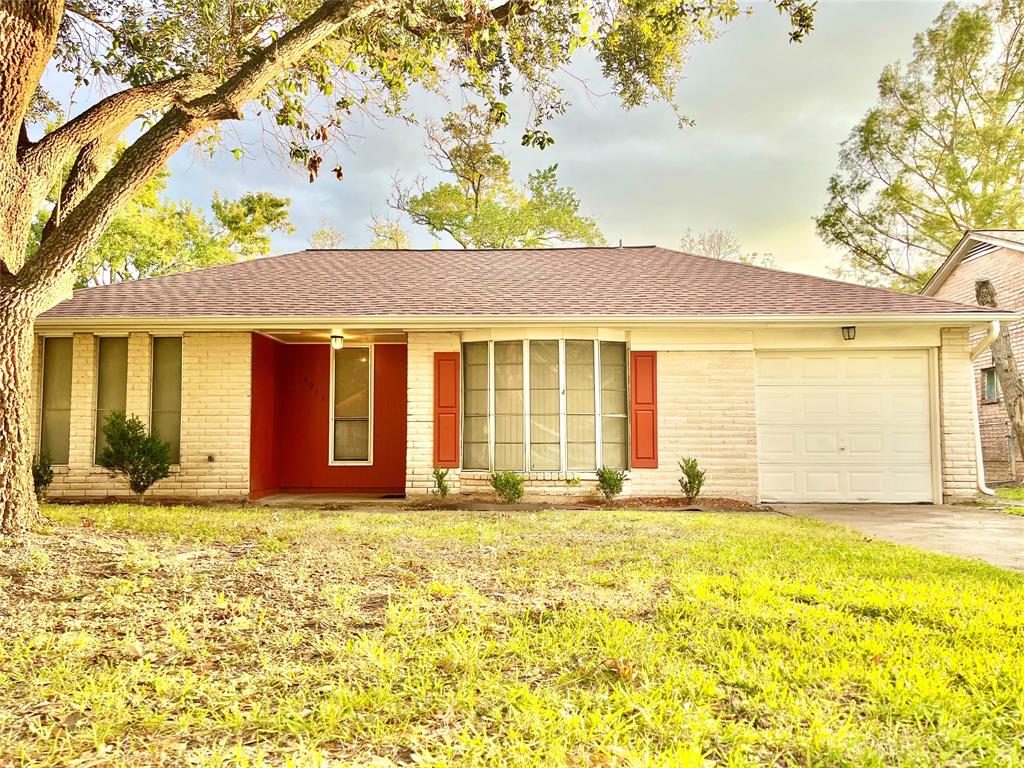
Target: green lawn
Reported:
[(245, 637), (1014, 492)]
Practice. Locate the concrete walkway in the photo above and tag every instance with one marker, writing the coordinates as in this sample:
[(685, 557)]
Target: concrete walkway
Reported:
[(980, 534)]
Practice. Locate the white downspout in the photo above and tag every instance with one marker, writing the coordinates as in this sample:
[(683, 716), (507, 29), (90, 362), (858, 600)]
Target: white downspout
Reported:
[(981, 346)]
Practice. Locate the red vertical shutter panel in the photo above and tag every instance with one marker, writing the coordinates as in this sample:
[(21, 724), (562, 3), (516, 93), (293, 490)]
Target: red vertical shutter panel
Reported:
[(644, 409), (446, 409)]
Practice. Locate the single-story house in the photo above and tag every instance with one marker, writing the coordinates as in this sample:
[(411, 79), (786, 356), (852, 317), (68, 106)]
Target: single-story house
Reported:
[(360, 371), (996, 255)]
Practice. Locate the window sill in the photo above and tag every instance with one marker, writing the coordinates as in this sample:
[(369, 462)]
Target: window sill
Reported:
[(553, 475)]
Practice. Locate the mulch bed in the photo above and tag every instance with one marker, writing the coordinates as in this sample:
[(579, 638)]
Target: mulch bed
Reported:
[(665, 503)]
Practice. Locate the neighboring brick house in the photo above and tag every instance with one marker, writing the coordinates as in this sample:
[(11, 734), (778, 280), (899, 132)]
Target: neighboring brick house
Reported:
[(996, 255), (346, 371)]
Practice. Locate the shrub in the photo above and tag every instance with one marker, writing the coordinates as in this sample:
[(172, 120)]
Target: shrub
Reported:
[(508, 485), (441, 482), (610, 481), (692, 480), (141, 457), (42, 473)]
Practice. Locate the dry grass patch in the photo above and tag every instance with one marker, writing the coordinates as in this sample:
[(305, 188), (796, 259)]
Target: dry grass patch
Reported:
[(246, 637)]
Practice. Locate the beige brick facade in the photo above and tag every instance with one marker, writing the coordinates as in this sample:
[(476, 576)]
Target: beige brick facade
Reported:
[(1005, 268), (419, 457), (957, 414), (705, 410), (215, 417)]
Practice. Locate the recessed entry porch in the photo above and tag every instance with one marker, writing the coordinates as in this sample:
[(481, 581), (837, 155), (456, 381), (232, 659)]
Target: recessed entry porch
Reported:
[(328, 421)]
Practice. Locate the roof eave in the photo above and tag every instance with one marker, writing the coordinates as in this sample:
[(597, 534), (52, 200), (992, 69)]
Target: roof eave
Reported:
[(952, 261), (453, 322)]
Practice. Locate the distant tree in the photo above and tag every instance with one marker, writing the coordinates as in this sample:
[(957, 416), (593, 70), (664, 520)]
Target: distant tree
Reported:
[(484, 207), (941, 152), (153, 235), (327, 236), (722, 244), (388, 234), (244, 225)]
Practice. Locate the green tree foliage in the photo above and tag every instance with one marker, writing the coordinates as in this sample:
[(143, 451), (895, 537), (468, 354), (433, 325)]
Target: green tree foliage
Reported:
[(131, 450), (388, 233), (483, 207), (154, 235), (942, 151), (327, 236)]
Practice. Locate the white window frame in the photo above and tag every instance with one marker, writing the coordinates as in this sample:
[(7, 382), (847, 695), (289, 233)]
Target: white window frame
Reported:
[(991, 369), (181, 386), (330, 412), (562, 405)]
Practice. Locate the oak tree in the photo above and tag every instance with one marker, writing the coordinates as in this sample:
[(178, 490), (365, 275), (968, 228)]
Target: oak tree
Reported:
[(941, 152), (175, 70)]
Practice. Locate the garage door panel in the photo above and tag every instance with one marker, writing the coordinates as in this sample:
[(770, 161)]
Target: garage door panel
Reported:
[(844, 426)]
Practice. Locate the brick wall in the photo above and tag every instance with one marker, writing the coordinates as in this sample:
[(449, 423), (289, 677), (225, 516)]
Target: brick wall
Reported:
[(215, 417), (956, 415), (419, 456), (706, 410), (1005, 268)]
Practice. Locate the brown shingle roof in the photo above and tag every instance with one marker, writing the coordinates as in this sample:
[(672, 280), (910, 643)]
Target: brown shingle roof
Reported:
[(643, 281)]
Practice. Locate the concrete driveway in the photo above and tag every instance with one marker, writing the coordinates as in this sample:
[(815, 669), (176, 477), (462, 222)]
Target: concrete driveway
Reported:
[(980, 534)]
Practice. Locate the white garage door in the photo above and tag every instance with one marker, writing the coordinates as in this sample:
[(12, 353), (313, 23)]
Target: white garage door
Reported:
[(844, 426)]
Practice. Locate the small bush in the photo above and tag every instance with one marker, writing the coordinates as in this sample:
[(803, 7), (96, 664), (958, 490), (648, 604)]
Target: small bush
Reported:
[(573, 480), (692, 480), (441, 482), (610, 481), (42, 473), (141, 457), (508, 485)]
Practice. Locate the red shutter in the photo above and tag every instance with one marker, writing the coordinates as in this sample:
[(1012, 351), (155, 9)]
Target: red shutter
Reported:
[(446, 409), (644, 409)]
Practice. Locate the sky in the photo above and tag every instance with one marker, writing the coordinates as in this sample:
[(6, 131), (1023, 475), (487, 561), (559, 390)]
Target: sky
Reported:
[(769, 118)]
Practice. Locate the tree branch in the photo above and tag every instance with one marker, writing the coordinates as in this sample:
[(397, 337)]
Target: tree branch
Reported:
[(108, 119), (29, 32), (82, 226)]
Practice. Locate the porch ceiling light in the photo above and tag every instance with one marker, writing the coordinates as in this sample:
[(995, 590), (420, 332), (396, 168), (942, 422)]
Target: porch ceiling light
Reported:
[(849, 332), (337, 340)]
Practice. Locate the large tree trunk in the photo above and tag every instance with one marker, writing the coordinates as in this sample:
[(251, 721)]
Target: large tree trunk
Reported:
[(18, 506), (1006, 366)]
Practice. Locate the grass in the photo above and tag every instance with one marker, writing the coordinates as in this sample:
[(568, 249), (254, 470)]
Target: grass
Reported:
[(243, 637), (1014, 492)]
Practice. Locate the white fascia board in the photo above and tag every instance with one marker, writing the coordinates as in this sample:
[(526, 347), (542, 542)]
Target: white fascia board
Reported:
[(446, 323)]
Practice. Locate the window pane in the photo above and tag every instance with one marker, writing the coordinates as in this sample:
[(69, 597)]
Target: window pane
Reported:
[(545, 433), (579, 405), (165, 417), (352, 404), (508, 405), (351, 440), (613, 437), (55, 429), (111, 382), (352, 383), (475, 406), (614, 424)]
